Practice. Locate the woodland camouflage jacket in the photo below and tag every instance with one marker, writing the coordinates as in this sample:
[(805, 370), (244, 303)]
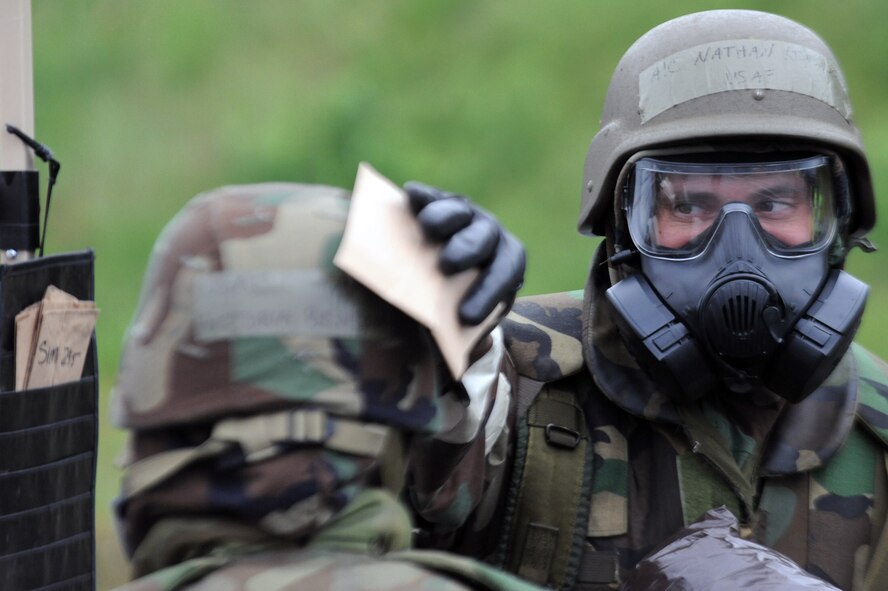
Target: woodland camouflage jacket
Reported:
[(271, 403), (808, 480)]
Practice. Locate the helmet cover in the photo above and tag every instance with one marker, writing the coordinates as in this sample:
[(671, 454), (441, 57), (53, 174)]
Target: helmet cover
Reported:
[(724, 77)]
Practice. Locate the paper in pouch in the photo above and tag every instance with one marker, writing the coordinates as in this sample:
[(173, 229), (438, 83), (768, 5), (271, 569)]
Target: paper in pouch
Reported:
[(25, 327), (52, 339)]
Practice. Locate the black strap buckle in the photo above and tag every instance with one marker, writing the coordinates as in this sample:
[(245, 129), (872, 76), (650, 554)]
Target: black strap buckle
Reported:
[(562, 436)]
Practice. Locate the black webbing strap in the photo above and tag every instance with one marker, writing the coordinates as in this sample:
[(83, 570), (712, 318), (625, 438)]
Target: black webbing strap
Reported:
[(32, 408), (84, 582), (36, 446), (53, 565), (57, 521), (30, 488)]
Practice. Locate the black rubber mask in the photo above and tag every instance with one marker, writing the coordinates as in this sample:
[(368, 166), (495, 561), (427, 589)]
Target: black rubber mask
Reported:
[(735, 284)]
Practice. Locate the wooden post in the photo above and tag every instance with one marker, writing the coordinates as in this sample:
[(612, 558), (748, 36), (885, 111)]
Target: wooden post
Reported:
[(19, 199), (16, 83)]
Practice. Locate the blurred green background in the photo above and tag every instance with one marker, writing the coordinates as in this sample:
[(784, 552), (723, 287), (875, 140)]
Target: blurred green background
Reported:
[(148, 103)]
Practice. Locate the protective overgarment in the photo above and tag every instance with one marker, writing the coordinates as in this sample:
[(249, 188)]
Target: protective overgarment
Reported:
[(608, 461)]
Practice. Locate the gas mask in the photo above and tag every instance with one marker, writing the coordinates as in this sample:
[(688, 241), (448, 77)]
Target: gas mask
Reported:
[(734, 284)]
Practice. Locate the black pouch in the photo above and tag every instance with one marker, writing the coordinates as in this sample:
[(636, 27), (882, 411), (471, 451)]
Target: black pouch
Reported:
[(48, 439)]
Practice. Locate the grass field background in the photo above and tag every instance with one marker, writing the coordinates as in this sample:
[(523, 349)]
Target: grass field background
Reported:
[(148, 103)]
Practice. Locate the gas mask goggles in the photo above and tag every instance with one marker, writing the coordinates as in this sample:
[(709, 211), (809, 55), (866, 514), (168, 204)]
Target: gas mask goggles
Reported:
[(734, 284)]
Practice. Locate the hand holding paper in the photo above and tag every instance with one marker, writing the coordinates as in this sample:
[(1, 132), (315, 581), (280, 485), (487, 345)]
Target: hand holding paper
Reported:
[(384, 248), (470, 238)]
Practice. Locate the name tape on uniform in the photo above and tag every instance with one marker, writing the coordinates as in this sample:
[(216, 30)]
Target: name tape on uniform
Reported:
[(233, 304)]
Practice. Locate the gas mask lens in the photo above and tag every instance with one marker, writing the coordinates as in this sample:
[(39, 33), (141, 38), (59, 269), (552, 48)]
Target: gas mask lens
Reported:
[(673, 207)]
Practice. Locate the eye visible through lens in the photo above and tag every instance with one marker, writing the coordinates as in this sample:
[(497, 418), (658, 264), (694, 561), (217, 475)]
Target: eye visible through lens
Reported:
[(792, 204)]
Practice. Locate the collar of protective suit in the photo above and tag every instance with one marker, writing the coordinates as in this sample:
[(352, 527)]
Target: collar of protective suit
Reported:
[(554, 336), (795, 437)]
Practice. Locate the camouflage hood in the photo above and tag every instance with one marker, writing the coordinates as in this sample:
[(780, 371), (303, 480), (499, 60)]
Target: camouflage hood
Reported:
[(261, 385), (242, 310)]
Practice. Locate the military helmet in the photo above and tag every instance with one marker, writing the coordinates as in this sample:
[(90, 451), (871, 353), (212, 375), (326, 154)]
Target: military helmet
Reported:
[(724, 77), (259, 382), (242, 311)]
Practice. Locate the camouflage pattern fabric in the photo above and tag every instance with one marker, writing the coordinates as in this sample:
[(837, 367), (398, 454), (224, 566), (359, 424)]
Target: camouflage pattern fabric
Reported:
[(242, 311), (301, 570), (270, 401), (214, 502), (808, 480), (309, 569), (238, 319), (364, 546)]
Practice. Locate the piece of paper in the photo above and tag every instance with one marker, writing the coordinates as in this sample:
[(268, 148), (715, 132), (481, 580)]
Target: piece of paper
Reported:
[(25, 327), (58, 298), (52, 339), (383, 248)]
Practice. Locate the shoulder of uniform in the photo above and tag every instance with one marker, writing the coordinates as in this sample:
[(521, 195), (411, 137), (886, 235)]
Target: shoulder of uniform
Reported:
[(543, 335), (872, 391)]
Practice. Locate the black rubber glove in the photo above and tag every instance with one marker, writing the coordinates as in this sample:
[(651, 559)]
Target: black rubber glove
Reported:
[(471, 237)]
